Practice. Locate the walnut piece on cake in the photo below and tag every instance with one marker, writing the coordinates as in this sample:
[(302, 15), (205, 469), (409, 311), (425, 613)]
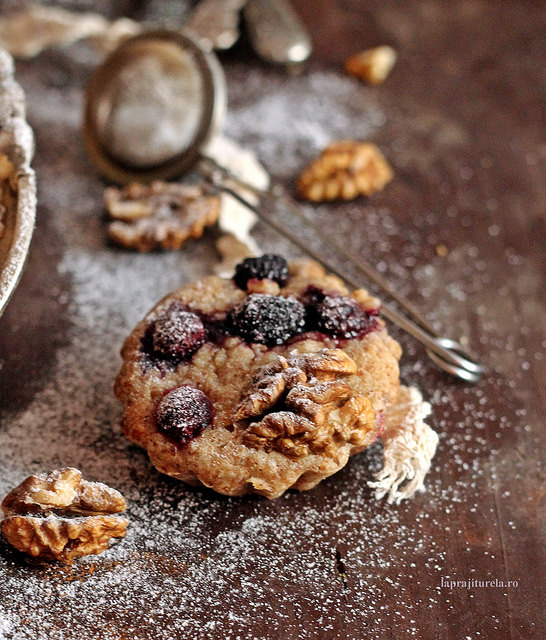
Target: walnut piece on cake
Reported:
[(372, 65), (160, 215), (61, 516), (300, 404), (345, 170)]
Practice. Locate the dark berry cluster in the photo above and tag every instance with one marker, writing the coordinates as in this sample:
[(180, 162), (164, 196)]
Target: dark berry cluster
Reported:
[(177, 333), (268, 266), (183, 413), (336, 315), (267, 319)]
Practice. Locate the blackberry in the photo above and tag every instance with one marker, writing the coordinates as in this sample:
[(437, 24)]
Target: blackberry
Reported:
[(267, 319), (178, 333), (336, 315), (183, 413), (270, 266)]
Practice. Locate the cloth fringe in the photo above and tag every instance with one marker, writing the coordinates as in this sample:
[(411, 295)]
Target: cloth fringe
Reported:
[(409, 446)]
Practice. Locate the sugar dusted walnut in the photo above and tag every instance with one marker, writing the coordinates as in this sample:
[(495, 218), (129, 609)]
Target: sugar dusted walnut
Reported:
[(373, 65), (61, 516), (345, 170), (301, 404), (159, 215)]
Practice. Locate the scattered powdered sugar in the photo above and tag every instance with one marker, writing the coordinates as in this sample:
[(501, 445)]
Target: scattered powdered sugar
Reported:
[(195, 564), (6, 625), (295, 118)]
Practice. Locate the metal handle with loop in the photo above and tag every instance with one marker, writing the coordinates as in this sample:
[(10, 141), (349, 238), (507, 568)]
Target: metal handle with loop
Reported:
[(447, 354)]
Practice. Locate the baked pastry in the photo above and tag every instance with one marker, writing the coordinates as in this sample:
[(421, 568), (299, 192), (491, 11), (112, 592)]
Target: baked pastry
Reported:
[(263, 382)]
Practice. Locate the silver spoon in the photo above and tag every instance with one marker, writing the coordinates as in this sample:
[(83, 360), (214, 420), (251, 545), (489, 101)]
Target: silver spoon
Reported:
[(276, 32)]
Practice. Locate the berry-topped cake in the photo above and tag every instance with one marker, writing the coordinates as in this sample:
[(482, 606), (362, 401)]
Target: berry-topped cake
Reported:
[(267, 381)]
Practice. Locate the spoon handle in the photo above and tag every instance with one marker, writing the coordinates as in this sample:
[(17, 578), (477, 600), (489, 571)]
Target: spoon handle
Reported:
[(276, 32)]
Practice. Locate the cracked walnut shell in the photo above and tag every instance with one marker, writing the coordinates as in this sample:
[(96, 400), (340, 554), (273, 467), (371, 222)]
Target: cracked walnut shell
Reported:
[(345, 170), (159, 215), (299, 404), (61, 516)]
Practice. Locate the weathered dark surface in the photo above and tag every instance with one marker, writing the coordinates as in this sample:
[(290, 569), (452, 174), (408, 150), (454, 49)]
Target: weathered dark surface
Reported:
[(460, 120)]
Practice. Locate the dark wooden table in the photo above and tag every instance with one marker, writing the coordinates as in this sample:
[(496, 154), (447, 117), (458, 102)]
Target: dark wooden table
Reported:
[(460, 231)]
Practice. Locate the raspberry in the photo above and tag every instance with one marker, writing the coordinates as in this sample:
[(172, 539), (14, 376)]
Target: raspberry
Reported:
[(178, 333), (183, 413), (336, 315), (268, 266), (267, 319)]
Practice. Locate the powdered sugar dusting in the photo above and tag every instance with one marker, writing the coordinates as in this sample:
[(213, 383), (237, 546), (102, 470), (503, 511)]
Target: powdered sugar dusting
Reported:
[(200, 565), (297, 117)]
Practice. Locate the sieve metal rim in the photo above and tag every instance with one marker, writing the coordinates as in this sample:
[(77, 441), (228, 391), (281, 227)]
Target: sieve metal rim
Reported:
[(211, 120)]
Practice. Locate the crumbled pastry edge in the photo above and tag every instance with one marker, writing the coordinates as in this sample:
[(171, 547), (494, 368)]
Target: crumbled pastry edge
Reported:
[(409, 446)]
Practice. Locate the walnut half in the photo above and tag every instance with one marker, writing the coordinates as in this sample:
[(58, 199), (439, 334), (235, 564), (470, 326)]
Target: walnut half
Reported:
[(345, 170), (299, 405), (61, 516), (159, 215)]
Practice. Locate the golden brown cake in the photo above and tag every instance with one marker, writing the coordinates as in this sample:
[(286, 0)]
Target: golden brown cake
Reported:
[(260, 383)]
